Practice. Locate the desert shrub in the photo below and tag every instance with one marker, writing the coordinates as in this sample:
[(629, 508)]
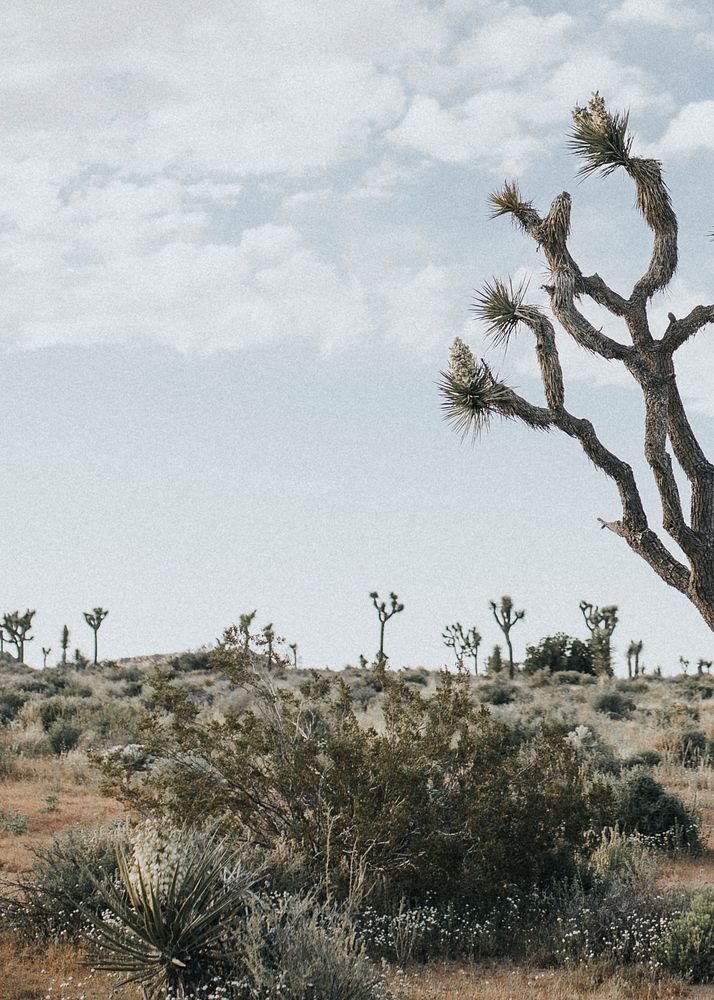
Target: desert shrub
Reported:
[(46, 902), (415, 675), (688, 947), (63, 736), (642, 758), (573, 677), (612, 922), (613, 704), (198, 660), (14, 823), (591, 751), (11, 701), (676, 713), (688, 746), (445, 800), (644, 807), (631, 685), (299, 949), (8, 762), (498, 693), (623, 857), (557, 653)]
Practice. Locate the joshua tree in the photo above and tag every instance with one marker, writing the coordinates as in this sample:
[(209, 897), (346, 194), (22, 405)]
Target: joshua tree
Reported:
[(2, 642), (684, 664), (505, 621), (16, 627), (702, 664), (46, 650), (293, 647), (384, 615), (601, 623), (268, 640), (453, 636), (633, 653), (473, 394), (245, 622), (94, 619), (64, 643)]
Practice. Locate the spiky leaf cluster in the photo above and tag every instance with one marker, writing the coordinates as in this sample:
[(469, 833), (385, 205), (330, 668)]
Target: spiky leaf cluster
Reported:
[(470, 392), (501, 306), (599, 137), (508, 201)]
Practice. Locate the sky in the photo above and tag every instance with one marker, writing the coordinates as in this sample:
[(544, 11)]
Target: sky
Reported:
[(236, 242)]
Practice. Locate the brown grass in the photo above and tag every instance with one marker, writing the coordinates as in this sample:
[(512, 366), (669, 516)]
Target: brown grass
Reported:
[(504, 982), (55, 971), (77, 804)]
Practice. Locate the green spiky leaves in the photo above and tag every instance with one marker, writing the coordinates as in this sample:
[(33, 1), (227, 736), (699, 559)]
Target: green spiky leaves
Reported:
[(500, 305), (507, 201), (599, 137), (470, 392)]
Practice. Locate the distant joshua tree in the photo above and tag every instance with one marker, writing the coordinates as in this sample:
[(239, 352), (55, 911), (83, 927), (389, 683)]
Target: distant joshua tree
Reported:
[(64, 643), (16, 627), (601, 624), (268, 640), (463, 643), (633, 656), (46, 650), (2, 642), (384, 615), (293, 648), (246, 620), (702, 665), (94, 619), (684, 664), (505, 621)]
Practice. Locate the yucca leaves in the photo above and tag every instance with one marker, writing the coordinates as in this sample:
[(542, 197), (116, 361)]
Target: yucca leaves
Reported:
[(161, 937), (599, 137)]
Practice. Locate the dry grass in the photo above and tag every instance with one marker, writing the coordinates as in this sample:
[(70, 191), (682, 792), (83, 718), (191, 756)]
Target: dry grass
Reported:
[(57, 972), (78, 804), (505, 982)]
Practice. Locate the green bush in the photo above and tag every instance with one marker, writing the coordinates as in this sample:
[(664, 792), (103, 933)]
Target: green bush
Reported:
[(643, 806), (298, 949), (688, 746), (443, 800), (688, 947), (46, 902), (14, 823), (558, 653), (498, 693), (64, 736), (642, 758), (612, 703)]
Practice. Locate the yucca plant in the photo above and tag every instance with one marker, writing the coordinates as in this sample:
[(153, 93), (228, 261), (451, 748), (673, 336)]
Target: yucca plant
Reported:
[(167, 921)]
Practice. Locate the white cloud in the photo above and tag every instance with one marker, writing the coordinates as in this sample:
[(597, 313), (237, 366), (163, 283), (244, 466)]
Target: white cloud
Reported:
[(662, 13), (692, 128)]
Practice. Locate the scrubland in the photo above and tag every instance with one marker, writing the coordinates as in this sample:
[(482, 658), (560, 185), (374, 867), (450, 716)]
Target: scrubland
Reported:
[(213, 828)]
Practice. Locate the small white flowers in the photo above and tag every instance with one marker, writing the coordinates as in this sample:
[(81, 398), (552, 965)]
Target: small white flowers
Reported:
[(157, 856), (464, 369)]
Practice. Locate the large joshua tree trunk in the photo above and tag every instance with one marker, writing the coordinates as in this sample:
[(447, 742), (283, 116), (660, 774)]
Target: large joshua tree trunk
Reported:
[(472, 394)]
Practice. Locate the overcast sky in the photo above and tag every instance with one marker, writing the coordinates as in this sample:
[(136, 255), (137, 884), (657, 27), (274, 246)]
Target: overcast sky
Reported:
[(236, 241)]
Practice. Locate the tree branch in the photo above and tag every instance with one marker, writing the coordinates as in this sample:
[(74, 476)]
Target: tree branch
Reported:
[(680, 330)]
